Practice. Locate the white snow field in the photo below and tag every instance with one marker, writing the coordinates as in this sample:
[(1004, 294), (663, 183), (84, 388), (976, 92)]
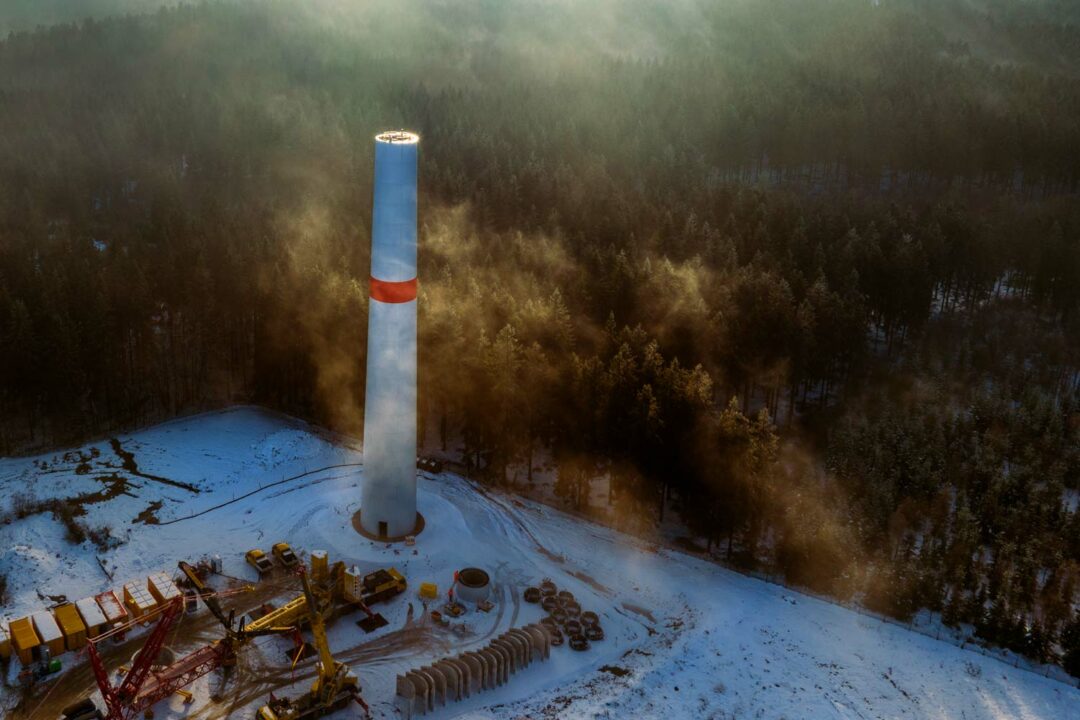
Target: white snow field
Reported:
[(684, 638)]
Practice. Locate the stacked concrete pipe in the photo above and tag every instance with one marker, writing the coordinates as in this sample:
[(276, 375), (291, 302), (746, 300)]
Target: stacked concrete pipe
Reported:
[(452, 679)]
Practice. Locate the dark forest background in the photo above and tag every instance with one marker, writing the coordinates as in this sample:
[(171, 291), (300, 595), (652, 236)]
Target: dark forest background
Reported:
[(807, 274)]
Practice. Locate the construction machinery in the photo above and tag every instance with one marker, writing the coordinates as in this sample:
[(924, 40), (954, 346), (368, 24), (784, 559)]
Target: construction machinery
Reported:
[(128, 699), (335, 684), (257, 559), (333, 586), (291, 613), (382, 585), (144, 684), (326, 582), (363, 591), (284, 554), (239, 635), (83, 710), (429, 464)]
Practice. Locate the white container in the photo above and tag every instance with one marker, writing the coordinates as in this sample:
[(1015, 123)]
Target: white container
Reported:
[(49, 632), (92, 616), (353, 584)]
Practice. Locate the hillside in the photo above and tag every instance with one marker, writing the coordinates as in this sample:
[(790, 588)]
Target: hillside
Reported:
[(27, 15), (800, 279)]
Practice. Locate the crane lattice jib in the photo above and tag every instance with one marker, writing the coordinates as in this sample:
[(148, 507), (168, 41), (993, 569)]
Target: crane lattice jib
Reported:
[(182, 673), (120, 700), (327, 664)]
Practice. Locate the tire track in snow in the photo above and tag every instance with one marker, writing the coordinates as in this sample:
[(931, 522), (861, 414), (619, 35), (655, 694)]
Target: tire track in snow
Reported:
[(259, 490)]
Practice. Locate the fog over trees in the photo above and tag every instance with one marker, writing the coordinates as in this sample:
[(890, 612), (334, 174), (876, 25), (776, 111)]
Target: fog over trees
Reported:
[(806, 274)]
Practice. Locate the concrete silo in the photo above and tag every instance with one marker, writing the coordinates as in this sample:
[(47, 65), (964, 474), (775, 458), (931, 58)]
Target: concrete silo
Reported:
[(388, 500)]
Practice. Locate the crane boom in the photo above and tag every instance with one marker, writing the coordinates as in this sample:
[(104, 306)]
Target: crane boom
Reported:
[(120, 700), (335, 685), (205, 593), (210, 599), (327, 664), (141, 688)]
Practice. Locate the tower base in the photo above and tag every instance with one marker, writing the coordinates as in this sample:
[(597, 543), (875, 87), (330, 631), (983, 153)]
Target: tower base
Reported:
[(419, 528)]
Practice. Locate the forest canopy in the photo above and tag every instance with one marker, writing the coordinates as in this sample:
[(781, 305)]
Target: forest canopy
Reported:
[(806, 274)]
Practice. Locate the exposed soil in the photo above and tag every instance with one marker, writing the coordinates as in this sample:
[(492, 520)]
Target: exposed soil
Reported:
[(149, 515), (637, 609), (113, 484), (615, 670), (130, 466), (591, 582)]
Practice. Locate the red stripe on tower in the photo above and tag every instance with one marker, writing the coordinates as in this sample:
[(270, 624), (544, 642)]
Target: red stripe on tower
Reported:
[(393, 292)]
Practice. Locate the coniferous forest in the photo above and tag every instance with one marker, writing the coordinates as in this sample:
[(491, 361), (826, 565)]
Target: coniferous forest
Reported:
[(806, 274)]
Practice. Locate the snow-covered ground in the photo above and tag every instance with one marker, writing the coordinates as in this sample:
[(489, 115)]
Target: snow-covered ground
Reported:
[(685, 639)]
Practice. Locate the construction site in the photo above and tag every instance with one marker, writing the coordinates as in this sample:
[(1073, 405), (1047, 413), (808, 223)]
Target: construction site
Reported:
[(462, 615)]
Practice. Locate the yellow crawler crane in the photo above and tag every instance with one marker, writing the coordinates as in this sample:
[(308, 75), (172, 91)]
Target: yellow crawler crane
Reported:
[(335, 684)]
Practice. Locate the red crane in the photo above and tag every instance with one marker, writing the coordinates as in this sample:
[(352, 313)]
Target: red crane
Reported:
[(143, 686), (123, 702)]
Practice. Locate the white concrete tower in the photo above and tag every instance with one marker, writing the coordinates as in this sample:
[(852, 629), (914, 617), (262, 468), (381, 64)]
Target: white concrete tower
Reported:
[(388, 501)]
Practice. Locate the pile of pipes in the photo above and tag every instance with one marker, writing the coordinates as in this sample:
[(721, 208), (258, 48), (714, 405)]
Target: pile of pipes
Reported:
[(452, 679)]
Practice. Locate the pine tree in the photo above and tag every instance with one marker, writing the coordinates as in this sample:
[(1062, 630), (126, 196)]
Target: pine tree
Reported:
[(953, 613), (1070, 647)]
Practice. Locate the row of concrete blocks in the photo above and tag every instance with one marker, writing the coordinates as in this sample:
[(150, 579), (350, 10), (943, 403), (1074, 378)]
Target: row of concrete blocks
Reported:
[(452, 679)]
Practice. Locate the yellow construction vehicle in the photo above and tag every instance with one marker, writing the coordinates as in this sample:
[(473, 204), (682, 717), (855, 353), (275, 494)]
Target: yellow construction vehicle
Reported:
[(257, 559), (375, 587), (382, 585), (284, 554), (335, 684), (366, 590)]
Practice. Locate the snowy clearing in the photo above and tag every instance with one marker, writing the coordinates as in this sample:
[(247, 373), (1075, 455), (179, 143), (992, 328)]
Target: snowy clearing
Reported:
[(684, 638)]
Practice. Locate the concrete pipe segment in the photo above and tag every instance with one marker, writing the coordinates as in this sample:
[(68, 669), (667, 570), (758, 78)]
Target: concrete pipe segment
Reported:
[(473, 585)]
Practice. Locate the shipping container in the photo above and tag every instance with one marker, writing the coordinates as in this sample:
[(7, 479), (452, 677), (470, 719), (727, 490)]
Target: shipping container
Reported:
[(49, 632), (92, 616), (162, 588), (24, 639), (71, 625), (112, 608), (138, 599), (5, 642)]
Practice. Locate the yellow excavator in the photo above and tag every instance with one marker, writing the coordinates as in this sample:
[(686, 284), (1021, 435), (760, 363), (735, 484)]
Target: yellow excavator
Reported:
[(335, 684)]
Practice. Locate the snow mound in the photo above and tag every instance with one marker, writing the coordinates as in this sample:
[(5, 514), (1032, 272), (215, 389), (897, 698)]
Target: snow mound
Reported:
[(287, 446), (28, 562)]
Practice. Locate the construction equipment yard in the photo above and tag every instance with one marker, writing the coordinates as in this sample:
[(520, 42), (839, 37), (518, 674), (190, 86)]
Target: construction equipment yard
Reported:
[(312, 514), (673, 635)]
